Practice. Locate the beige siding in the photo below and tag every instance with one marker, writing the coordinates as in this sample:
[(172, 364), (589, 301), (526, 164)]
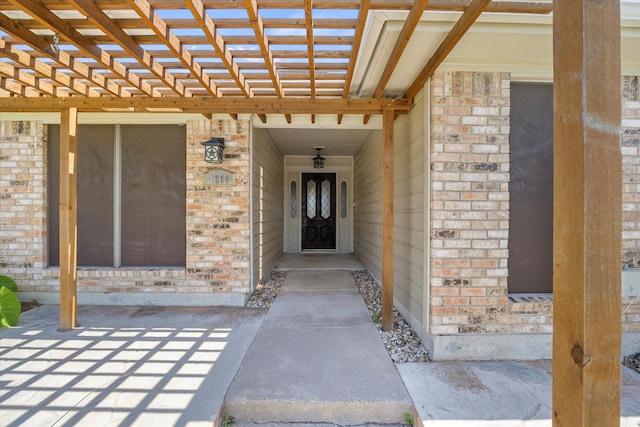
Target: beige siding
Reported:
[(409, 211), (367, 228), (267, 203), (409, 214)]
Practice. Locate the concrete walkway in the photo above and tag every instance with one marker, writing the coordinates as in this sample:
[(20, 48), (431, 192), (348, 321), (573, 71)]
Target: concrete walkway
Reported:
[(318, 358), (315, 359)]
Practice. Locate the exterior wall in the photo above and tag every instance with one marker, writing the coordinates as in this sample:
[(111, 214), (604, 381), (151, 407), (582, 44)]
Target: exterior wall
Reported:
[(630, 143), (217, 232), (267, 203), (470, 207), (23, 199), (472, 314), (409, 212), (410, 206), (367, 191)]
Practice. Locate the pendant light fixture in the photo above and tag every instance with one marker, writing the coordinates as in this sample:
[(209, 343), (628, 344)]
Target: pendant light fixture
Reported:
[(318, 160)]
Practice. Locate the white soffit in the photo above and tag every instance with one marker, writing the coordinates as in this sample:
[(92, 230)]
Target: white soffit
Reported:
[(521, 44)]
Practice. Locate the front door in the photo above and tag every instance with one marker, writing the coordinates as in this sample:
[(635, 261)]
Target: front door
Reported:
[(318, 211)]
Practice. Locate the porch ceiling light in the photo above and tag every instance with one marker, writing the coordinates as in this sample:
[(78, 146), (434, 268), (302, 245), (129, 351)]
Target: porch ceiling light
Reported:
[(318, 160), (213, 149)]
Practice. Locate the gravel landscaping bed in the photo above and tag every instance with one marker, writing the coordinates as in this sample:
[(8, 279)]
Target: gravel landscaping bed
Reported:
[(632, 361), (267, 290), (402, 343)]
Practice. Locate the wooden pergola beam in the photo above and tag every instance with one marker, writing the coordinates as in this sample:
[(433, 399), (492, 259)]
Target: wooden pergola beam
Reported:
[(106, 24), (308, 19), (199, 12), (532, 7), (471, 13), (587, 219), (29, 80), (408, 28), (398, 49), (262, 40), (59, 25), (68, 218), (162, 31), (24, 59), (210, 105), (363, 12), (22, 33)]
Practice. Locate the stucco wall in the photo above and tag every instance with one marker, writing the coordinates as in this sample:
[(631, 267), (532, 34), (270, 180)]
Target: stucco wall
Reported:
[(267, 202), (218, 228)]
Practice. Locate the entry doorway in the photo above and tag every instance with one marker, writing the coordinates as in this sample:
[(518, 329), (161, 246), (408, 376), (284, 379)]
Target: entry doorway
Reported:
[(318, 211)]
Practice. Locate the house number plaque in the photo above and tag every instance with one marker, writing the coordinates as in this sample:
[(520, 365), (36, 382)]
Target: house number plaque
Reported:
[(220, 177)]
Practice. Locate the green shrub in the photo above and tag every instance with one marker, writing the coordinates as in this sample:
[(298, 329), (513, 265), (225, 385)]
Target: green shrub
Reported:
[(9, 303)]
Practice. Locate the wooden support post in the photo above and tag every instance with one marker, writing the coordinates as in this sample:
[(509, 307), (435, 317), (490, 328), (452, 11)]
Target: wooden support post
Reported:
[(587, 213), (388, 116), (68, 217)]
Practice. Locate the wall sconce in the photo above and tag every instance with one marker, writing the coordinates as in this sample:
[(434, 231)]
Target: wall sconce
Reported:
[(318, 160), (213, 149)]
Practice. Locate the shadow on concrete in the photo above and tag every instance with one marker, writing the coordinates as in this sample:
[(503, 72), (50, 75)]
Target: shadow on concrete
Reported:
[(130, 366)]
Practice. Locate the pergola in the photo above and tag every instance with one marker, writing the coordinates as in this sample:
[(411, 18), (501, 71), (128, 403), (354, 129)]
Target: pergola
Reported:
[(247, 56)]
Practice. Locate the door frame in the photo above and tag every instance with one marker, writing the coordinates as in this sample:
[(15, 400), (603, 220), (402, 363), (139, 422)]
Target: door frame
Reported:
[(294, 167), (318, 180)]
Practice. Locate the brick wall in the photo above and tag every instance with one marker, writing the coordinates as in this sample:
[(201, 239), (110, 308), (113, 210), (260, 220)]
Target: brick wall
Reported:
[(23, 199), (218, 219), (218, 229), (470, 208), (470, 203), (630, 143)]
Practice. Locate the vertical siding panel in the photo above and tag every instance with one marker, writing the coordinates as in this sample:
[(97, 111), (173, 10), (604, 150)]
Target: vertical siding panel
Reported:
[(267, 203)]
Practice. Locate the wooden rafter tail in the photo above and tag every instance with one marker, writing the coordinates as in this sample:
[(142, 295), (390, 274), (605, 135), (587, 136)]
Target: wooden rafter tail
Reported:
[(158, 25), (470, 15), (38, 43), (117, 34)]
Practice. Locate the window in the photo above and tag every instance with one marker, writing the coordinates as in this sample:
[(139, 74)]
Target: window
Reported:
[(343, 199), (293, 208), (531, 189), (131, 195)]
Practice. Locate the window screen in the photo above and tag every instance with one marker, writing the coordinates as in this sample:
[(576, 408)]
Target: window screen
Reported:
[(152, 189), (531, 189), (95, 195), (153, 195)]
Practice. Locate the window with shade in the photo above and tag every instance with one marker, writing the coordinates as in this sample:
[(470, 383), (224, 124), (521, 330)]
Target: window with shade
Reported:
[(531, 189), (131, 195)]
